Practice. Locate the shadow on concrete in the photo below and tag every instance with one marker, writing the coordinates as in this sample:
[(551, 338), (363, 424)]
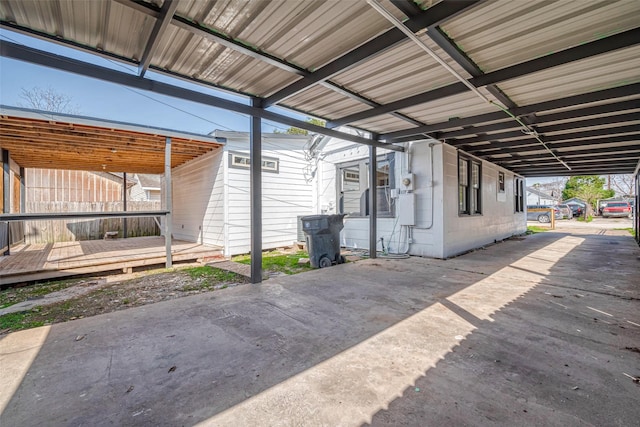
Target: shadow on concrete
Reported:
[(478, 339)]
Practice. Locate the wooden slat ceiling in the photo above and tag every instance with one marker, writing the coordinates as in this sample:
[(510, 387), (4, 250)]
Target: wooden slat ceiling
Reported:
[(34, 143)]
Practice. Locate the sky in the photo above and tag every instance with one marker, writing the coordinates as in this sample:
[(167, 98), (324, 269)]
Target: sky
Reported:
[(103, 100), (100, 99)]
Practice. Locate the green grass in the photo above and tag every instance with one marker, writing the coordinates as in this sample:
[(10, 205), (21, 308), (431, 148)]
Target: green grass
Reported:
[(17, 321), (275, 261), (11, 296), (211, 273), (629, 229), (533, 229), (582, 219)]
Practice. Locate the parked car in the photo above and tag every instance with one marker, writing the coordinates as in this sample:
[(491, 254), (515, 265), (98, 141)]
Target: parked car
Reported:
[(542, 216), (566, 211), (577, 209), (616, 209)]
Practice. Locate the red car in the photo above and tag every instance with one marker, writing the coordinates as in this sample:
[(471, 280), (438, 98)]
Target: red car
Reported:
[(616, 209)]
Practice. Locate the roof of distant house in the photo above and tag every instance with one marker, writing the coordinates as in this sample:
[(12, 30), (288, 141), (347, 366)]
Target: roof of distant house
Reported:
[(149, 181)]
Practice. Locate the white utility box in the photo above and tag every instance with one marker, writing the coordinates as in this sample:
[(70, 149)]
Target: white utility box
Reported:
[(407, 209)]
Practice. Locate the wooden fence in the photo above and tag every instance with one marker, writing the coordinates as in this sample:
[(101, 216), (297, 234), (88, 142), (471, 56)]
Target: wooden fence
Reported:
[(91, 229)]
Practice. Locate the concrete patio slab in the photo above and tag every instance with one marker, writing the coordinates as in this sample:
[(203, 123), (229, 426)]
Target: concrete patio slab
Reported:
[(537, 331)]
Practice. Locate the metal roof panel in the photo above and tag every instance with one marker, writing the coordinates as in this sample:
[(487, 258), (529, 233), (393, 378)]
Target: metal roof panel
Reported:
[(497, 34)]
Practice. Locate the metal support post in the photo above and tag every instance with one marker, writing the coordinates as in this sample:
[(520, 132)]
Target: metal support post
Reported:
[(6, 195), (168, 200), (373, 202), (124, 204), (23, 191), (255, 151), (6, 182)]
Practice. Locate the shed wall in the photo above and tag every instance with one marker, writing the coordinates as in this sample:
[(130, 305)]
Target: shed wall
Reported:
[(285, 195), (198, 200)]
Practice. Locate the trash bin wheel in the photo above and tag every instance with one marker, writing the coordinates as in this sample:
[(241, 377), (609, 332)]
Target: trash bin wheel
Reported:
[(324, 262)]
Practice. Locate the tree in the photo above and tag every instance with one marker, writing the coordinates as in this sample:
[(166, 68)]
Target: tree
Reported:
[(297, 131), (589, 188), (48, 99), (623, 185)]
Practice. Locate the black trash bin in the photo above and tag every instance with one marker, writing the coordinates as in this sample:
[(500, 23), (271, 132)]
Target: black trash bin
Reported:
[(323, 239)]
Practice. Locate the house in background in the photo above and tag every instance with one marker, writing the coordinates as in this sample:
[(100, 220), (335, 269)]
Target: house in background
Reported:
[(146, 187), (433, 200), (537, 197), (211, 198)]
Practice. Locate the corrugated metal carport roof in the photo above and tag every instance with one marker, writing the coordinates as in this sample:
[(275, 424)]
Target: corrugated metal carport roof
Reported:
[(570, 70)]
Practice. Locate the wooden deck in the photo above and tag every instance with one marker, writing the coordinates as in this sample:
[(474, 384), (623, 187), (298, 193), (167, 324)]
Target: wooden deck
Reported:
[(54, 260)]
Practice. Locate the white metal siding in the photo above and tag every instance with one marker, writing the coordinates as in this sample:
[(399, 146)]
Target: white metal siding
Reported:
[(498, 220), (285, 195), (198, 200), (439, 231)]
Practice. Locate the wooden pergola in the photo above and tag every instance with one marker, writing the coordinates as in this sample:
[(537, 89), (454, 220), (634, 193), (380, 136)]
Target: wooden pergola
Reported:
[(35, 139)]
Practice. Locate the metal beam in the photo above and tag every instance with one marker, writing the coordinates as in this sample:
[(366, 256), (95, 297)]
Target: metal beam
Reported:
[(587, 50), (459, 56), (530, 145), (162, 22), (247, 50), (581, 162), (373, 203), (79, 215), (255, 191), (601, 95), (35, 56), (432, 16), (168, 227), (622, 168), (611, 152), (578, 124), (494, 138)]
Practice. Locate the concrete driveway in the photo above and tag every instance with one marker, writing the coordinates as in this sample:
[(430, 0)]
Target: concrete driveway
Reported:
[(542, 330)]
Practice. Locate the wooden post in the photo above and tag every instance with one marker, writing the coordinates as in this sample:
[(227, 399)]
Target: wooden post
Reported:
[(168, 200)]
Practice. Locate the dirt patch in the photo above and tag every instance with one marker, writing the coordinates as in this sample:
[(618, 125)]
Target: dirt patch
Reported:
[(152, 287)]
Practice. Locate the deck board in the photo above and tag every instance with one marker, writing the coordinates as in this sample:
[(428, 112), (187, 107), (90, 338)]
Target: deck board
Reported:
[(52, 260)]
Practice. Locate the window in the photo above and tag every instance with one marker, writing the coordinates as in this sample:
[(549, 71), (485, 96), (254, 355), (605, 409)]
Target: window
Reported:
[(469, 186), (519, 195), (243, 161), (500, 182), (353, 187)]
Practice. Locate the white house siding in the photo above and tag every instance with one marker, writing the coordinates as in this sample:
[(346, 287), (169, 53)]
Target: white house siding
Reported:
[(427, 235), (285, 195), (438, 232), (198, 200), (498, 220), (137, 193)]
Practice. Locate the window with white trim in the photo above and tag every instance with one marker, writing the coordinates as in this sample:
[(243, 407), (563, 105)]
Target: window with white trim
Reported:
[(500, 182), (469, 186), (353, 187), (243, 161)]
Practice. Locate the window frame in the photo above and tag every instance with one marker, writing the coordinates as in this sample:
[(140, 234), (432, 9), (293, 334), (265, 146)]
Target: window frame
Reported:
[(518, 195), (501, 182), (469, 191), (233, 155), (362, 165)]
